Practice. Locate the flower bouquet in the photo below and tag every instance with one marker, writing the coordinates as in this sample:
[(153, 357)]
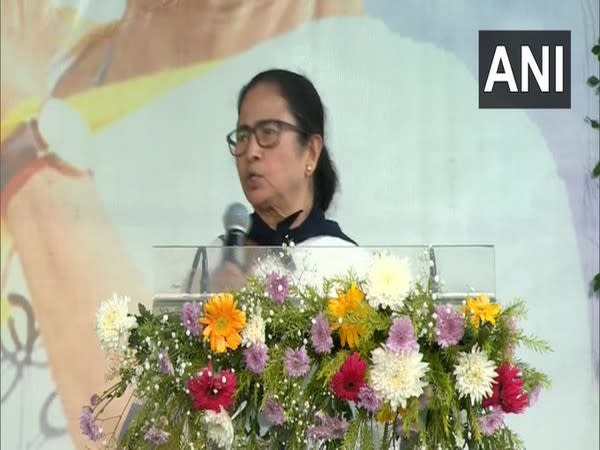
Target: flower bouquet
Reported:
[(358, 360)]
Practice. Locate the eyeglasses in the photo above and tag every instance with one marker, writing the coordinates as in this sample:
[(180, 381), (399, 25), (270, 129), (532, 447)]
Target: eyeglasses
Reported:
[(267, 133)]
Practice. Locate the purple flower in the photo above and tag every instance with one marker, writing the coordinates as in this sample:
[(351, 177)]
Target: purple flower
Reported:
[(402, 337), (328, 428), (368, 399), (88, 425), (256, 358), (321, 334), (274, 412), (449, 326), (190, 316), (164, 362), (95, 400), (278, 287), (491, 422), (156, 436), (296, 362)]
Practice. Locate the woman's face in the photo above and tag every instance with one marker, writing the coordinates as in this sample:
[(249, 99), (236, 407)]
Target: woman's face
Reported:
[(275, 177)]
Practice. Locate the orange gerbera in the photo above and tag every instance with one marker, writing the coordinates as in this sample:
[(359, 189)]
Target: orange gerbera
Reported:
[(349, 312), (481, 310), (223, 323)]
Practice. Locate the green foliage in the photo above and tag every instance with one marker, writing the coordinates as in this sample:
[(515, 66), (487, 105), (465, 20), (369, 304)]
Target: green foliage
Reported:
[(351, 438), (533, 378), (330, 366), (596, 281), (596, 173), (503, 439), (594, 83), (534, 343), (366, 435)]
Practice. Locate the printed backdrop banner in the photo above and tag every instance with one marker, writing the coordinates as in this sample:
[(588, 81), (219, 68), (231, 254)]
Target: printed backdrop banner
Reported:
[(138, 95)]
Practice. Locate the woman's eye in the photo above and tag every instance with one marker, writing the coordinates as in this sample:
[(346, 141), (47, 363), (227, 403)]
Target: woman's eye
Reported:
[(269, 129)]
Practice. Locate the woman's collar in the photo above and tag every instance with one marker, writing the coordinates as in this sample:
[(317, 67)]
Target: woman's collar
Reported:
[(314, 225)]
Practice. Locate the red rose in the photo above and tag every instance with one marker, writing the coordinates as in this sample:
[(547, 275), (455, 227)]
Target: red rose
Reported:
[(212, 390), (508, 391), (346, 383)]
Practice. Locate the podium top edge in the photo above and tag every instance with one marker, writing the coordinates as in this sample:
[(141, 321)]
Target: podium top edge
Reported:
[(370, 246)]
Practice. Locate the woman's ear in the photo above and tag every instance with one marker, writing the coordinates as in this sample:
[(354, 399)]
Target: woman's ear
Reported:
[(314, 149)]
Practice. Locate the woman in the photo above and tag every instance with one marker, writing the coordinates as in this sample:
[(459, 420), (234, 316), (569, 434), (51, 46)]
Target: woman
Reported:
[(284, 166)]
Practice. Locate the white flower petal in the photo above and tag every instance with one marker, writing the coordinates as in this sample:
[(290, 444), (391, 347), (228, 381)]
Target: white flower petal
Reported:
[(113, 323), (397, 377), (475, 374), (219, 428), (388, 281)]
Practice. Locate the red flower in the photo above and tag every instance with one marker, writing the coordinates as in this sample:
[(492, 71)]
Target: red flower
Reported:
[(346, 383), (508, 391), (212, 390)]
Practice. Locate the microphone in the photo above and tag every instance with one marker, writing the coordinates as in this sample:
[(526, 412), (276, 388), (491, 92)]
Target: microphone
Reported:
[(236, 221)]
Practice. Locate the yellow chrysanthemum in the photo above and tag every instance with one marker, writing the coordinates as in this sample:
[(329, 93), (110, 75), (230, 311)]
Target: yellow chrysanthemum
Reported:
[(385, 414), (481, 310), (223, 323), (349, 311)]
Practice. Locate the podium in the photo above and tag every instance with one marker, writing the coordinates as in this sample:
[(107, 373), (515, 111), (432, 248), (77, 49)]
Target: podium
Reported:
[(186, 273)]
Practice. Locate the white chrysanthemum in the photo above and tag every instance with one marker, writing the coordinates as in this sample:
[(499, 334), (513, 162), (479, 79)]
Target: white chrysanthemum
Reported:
[(388, 281), (254, 333), (397, 377), (475, 374), (219, 428), (113, 323)]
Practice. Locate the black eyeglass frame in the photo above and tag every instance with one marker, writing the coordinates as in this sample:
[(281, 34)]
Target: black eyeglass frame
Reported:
[(283, 125)]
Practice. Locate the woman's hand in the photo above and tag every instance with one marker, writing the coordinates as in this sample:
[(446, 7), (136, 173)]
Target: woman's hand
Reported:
[(227, 277)]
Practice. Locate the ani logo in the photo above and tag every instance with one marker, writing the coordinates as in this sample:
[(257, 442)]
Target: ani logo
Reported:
[(524, 69)]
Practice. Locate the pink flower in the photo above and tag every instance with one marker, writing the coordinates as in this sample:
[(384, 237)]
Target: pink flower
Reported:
[(491, 422), (368, 399), (508, 391), (402, 337), (321, 335), (212, 390), (190, 314), (346, 383), (449, 326), (88, 425), (278, 288), (274, 412), (329, 428), (256, 358), (296, 362)]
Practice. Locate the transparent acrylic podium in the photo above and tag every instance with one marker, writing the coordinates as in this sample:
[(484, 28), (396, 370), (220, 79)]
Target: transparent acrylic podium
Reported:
[(187, 273)]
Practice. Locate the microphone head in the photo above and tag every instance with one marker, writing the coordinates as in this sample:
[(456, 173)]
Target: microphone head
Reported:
[(236, 217)]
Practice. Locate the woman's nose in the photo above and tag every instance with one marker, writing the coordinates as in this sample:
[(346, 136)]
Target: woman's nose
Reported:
[(253, 151)]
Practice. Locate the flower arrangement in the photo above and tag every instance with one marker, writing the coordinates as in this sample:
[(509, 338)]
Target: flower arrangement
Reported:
[(368, 360)]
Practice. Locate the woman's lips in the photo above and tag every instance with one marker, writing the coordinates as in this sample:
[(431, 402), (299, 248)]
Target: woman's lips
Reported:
[(254, 180)]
